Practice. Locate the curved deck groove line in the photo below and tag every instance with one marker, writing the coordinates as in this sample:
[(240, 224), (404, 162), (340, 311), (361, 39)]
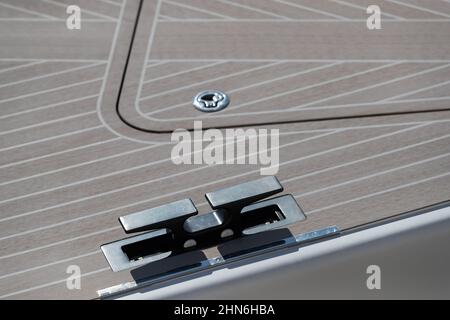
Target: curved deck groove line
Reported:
[(147, 35)]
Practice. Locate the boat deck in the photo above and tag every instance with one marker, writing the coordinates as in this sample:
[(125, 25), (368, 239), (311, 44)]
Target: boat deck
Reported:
[(86, 116)]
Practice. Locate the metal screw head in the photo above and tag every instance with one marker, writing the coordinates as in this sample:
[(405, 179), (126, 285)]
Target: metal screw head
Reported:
[(190, 243), (211, 101), (227, 233)]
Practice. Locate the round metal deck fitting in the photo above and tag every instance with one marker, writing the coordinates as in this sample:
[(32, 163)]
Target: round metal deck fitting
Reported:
[(211, 101)]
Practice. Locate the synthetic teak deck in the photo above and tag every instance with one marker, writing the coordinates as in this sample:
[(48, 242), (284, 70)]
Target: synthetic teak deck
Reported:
[(86, 116)]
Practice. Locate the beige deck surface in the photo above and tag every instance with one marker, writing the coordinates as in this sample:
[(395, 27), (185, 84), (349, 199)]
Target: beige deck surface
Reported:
[(364, 117)]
